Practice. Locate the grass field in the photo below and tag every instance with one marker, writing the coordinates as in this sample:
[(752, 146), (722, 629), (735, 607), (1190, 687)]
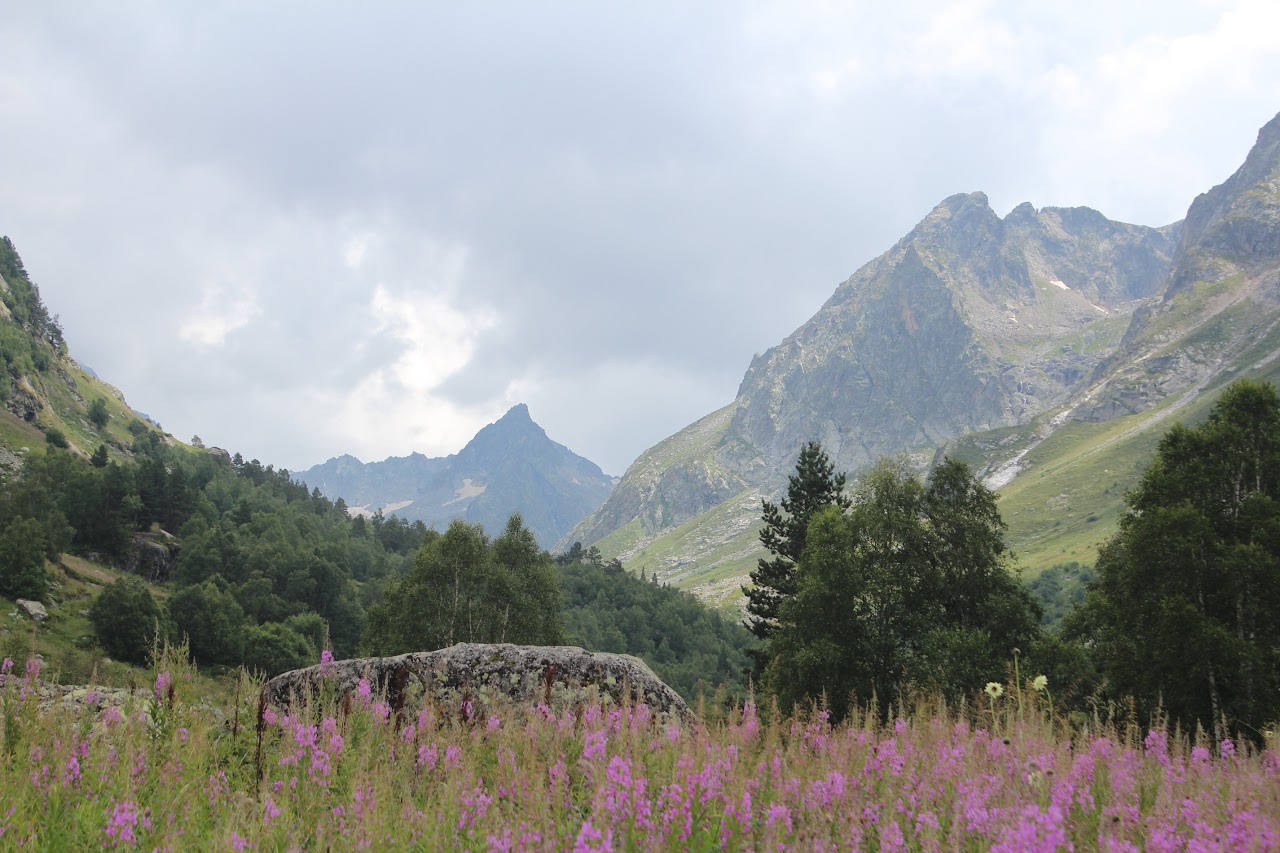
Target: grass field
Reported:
[(161, 770)]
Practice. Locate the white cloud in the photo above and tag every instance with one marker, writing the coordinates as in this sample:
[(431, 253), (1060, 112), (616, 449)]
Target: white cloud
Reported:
[(222, 310)]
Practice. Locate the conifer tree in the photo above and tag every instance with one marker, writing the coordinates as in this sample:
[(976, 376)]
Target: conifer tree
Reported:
[(814, 486)]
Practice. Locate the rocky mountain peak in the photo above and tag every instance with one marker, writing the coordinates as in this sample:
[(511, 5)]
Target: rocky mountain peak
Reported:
[(510, 465), (1237, 221)]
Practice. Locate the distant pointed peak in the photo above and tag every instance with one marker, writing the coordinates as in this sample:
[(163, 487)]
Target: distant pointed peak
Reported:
[(519, 412)]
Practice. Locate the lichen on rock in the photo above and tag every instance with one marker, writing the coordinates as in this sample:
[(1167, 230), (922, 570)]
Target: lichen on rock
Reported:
[(472, 679)]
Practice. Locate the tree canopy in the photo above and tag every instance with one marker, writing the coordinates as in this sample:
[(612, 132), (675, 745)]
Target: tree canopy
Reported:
[(910, 585), (1182, 615), (464, 588)]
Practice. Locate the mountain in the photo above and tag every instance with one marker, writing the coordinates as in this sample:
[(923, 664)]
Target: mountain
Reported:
[(1012, 342), (45, 395), (509, 466), (1063, 474)]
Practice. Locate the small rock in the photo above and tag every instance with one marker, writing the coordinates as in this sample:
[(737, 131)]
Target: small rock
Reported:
[(34, 609)]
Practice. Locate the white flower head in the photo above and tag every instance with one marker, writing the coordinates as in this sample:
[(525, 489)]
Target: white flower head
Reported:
[(1040, 683), (994, 689)]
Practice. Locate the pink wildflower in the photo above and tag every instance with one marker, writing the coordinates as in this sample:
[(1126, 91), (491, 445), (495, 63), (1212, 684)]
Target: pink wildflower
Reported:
[(592, 840), (125, 819), (163, 682)]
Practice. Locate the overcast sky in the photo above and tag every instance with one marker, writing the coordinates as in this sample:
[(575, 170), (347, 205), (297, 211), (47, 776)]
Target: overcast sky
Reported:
[(305, 229)]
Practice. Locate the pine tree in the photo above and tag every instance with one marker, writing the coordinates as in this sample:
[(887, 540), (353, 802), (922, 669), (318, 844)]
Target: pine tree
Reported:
[(814, 486)]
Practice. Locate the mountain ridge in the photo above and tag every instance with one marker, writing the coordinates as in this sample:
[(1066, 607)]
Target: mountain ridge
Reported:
[(509, 466), (971, 326)]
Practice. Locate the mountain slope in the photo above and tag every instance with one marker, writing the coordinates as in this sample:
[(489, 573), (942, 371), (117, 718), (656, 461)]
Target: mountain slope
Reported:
[(509, 466), (970, 322), (1218, 320)]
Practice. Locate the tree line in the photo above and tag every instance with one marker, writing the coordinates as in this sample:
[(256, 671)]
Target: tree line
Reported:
[(902, 584)]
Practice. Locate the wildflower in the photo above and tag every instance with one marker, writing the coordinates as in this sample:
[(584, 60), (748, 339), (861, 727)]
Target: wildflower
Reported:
[(163, 681), (124, 821), (994, 689), (1040, 683)]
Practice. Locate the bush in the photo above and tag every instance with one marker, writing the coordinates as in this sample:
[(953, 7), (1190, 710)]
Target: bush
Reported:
[(127, 620), (97, 413), (57, 438), (274, 648)]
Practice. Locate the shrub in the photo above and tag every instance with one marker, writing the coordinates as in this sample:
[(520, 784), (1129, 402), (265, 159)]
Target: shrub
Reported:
[(22, 572), (127, 620)]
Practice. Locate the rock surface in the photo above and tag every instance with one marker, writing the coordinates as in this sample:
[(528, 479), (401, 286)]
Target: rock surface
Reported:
[(34, 609), (489, 676)]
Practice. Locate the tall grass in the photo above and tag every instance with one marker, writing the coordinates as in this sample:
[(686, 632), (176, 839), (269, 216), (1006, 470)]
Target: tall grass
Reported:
[(166, 772)]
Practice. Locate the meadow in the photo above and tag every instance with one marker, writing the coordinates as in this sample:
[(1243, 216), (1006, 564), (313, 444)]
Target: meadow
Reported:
[(164, 770)]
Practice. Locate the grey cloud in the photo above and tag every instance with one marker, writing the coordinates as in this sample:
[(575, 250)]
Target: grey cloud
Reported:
[(644, 198)]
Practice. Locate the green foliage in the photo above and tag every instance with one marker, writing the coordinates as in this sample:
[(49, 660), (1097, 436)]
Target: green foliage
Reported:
[(56, 438), (43, 334), (813, 487), (99, 459), (22, 551), (272, 648), (463, 588), (127, 621), (211, 620), (1059, 589), (1182, 615), (910, 585), (97, 413), (685, 643)]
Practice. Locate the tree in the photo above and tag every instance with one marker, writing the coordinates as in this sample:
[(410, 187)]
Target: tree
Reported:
[(814, 486), (22, 553), (525, 585), (212, 621), (99, 459), (97, 413), (462, 588), (1182, 614), (910, 584), (127, 621)]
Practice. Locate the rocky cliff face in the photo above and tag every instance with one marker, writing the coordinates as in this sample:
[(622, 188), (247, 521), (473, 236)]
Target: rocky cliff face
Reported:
[(510, 466), (1221, 310), (970, 322)]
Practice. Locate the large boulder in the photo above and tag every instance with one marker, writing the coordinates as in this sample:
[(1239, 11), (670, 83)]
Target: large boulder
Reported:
[(152, 556), (473, 678), (33, 609)]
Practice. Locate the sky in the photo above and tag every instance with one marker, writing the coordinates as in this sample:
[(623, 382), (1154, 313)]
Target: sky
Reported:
[(302, 229)]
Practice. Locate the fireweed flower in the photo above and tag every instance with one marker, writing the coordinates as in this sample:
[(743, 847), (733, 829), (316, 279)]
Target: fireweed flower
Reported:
[(994, 689)]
